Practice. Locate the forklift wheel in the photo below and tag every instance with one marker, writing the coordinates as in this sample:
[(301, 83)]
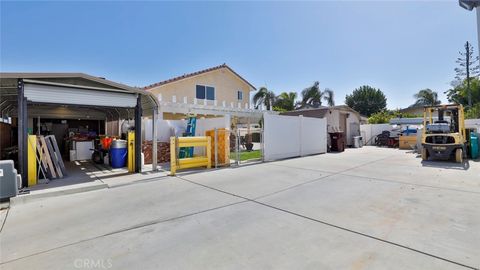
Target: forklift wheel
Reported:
[(459, 155), (424, 154)]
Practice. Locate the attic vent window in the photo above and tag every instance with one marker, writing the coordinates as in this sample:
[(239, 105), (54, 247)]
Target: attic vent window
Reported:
[(240, 95)]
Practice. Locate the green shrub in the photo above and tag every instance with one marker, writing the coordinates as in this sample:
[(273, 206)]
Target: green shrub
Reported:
[(384, 117), (473, 112)]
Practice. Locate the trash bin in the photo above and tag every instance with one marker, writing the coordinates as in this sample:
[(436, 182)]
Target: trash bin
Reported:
[(474, 145), (338, 141), (118, 153), (357, 141)]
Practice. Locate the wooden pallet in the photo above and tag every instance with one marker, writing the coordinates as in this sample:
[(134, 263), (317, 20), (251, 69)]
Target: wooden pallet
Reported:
[(50, 157), (43, 161)]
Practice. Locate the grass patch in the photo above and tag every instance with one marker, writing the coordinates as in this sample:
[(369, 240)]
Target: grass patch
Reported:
[(245, 155)]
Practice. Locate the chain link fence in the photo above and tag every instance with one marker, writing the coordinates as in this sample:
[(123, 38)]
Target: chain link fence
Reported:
[(246, 147)]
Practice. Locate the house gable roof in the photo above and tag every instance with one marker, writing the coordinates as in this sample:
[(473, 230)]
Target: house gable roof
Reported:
[(193, 74)]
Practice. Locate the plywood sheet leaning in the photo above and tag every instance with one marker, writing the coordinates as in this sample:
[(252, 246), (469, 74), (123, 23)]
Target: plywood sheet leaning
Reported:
[(58, 154), (53, 157)]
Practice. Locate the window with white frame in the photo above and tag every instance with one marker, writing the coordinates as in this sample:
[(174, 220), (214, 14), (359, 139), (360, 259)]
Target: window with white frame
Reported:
[(205, 92), (240, 95)]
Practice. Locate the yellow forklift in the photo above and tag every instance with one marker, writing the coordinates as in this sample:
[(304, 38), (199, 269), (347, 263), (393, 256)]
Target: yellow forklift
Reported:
[(445, 136)]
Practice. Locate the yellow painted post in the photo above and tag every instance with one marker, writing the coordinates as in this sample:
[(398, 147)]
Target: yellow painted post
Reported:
[(430, 111), (461, 121), (209, 152), (131, 151), (32, 160), (173, 156)]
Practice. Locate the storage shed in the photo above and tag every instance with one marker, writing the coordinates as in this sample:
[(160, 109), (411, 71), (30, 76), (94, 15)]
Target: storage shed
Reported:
[(339, 119)]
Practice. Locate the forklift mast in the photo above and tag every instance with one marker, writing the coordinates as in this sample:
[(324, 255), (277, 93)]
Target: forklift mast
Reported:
[(457, 122)]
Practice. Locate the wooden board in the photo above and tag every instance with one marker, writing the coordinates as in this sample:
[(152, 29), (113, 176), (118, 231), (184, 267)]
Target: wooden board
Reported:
[(407, 142), (53, 158), (57, 153), (48, 159), (43, 160)]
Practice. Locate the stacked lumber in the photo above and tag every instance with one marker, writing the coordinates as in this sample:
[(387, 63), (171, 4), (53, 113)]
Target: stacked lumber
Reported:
[(163, 152), (50, 157)]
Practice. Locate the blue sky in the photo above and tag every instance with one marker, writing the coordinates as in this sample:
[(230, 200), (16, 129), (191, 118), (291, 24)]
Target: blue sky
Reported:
[(399, 47)]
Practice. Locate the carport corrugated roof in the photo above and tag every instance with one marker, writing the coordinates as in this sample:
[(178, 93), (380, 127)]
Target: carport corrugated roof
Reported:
[(8, 83)]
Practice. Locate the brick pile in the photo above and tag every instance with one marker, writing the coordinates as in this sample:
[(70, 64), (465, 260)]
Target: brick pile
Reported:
[(163, 152)]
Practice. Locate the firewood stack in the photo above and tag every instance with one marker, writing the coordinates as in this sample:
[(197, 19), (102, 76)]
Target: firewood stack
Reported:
[(163, 152)]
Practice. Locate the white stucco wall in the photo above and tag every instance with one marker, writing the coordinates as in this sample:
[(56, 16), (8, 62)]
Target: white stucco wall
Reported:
[(168, 128), (333, 123)]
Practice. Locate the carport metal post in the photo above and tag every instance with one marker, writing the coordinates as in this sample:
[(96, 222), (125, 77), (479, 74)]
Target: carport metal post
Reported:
[(22, 132), (154, 138), (138, 135)]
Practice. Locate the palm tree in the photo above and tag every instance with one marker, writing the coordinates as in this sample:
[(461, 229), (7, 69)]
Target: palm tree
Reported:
[(328, 96), (286, 101), (265, 97), (426, 97), (313, 96)]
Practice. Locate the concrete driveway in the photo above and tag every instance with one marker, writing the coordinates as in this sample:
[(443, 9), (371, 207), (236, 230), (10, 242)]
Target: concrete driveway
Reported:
[(367, 208)]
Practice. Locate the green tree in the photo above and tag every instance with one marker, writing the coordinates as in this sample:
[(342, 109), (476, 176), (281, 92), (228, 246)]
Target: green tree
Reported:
[(366, 100), (474, 112), (285, 101), (459, 92), (384, 116), (313, 96), (426, 97), (265, 97), (468, 68)]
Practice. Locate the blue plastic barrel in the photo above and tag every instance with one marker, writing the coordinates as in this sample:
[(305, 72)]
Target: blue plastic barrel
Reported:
[(474, 145), (118, 154)]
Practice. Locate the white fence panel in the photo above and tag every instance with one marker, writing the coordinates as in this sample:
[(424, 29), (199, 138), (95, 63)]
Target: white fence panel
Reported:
[(473, 123), (168, 128), (314, 136), (165, 129), (293, 136), (204, 124), (281, 136), (370, 131)]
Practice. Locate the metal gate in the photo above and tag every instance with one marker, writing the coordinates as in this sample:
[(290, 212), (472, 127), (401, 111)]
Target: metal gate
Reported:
[(246, 150)]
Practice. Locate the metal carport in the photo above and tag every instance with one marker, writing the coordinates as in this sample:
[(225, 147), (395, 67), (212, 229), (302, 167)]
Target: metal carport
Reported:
[(69, 95)]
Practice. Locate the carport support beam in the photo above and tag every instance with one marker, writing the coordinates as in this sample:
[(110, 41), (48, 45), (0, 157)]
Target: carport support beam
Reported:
[(22, 132), (138, 135)]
